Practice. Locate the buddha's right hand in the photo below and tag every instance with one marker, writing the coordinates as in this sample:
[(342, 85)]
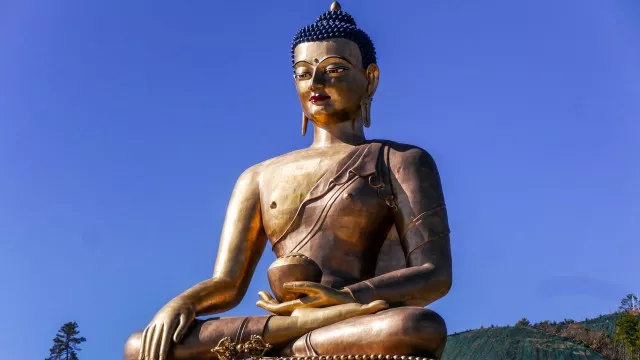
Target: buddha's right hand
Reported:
[(169, 324)]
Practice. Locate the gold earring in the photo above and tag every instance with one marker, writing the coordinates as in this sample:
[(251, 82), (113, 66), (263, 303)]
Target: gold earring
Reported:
[(365, 112), (305, 120)]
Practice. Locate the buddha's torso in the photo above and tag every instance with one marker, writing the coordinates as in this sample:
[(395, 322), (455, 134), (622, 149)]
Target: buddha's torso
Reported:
[(348, 224), (287, 179)]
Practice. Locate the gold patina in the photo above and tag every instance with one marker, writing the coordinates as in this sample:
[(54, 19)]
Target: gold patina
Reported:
[(359, 228)]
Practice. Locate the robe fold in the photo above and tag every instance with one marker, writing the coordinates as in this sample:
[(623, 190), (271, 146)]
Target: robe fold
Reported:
[(352, 201)]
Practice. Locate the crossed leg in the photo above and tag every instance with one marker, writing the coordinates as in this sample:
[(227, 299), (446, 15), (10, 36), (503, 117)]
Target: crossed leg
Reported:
[(399, 331), (276, 330)]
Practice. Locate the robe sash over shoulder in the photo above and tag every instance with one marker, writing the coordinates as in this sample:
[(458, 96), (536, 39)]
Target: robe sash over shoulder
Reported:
[(363, 161)]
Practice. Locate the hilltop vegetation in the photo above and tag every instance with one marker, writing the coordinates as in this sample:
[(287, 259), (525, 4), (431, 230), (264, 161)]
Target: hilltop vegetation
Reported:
[(506, 343), (614, 336)]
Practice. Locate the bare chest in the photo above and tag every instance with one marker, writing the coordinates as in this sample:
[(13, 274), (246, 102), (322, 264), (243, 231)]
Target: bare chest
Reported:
[(285, 184)]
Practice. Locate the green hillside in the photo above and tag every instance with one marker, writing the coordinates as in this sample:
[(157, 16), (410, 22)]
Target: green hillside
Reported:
[(545, 340), (606, 323), (514, 343)]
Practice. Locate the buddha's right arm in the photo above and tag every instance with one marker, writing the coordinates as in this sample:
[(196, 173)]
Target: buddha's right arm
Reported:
[(241, 245)]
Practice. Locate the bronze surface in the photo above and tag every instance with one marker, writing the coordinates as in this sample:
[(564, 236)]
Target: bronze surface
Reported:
[(290, 268), (368, 215), (228, 350), (350, 357)]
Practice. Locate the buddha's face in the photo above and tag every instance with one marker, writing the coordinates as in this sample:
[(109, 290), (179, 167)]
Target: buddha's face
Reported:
[(331, 81)]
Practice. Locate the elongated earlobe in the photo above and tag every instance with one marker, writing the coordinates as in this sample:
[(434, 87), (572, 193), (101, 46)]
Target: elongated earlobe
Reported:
[(365, 112), (305, 121), (373, 76)]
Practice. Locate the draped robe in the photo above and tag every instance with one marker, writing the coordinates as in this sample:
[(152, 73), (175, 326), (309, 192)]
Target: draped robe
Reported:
[(369, 224), (348, 221)]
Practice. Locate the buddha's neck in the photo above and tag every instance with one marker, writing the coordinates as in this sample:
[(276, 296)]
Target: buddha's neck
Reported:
[(343, 133)]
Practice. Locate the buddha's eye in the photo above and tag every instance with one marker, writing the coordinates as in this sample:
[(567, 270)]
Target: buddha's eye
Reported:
[(301, 76), (336, 70)]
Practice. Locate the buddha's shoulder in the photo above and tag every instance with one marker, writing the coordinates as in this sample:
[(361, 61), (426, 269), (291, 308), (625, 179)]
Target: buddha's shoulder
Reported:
[(280, 160), (274, 163), (400, 155)]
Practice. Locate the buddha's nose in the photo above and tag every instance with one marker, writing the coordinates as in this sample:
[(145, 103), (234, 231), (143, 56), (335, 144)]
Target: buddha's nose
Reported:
[(317, 81)]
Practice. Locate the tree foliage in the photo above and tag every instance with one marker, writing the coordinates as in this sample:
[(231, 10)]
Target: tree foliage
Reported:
[(66, 344), (628, 333), (523, 322), (629, 303)]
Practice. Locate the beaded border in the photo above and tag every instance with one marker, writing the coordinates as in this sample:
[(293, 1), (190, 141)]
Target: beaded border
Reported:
[(350, 357)]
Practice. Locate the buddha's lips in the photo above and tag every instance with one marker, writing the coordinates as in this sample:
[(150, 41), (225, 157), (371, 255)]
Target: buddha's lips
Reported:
[(318, 98)]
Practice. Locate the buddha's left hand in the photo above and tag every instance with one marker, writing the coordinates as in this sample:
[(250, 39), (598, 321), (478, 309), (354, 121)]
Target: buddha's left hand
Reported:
[(315, 296)]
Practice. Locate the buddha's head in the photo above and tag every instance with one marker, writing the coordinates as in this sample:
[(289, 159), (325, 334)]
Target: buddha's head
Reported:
[(335, 69)]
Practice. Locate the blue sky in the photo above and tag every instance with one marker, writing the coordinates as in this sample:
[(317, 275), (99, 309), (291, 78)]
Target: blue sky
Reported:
[(123, 126)]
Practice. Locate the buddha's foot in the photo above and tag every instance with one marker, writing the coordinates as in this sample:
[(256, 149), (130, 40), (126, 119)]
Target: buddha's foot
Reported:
[(313, 318)]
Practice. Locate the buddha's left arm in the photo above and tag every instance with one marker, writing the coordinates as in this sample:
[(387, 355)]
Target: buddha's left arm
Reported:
[(421, 221)]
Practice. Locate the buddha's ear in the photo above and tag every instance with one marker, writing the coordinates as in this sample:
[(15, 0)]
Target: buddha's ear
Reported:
[(373, 75)]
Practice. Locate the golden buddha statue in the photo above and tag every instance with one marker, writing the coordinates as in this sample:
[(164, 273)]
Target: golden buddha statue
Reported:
[(359, 228)]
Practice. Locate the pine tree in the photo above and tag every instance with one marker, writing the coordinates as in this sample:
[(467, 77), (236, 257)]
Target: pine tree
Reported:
[(66, 344)]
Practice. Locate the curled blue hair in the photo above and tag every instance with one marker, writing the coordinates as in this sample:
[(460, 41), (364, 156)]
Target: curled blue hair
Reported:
[(336, 24)]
